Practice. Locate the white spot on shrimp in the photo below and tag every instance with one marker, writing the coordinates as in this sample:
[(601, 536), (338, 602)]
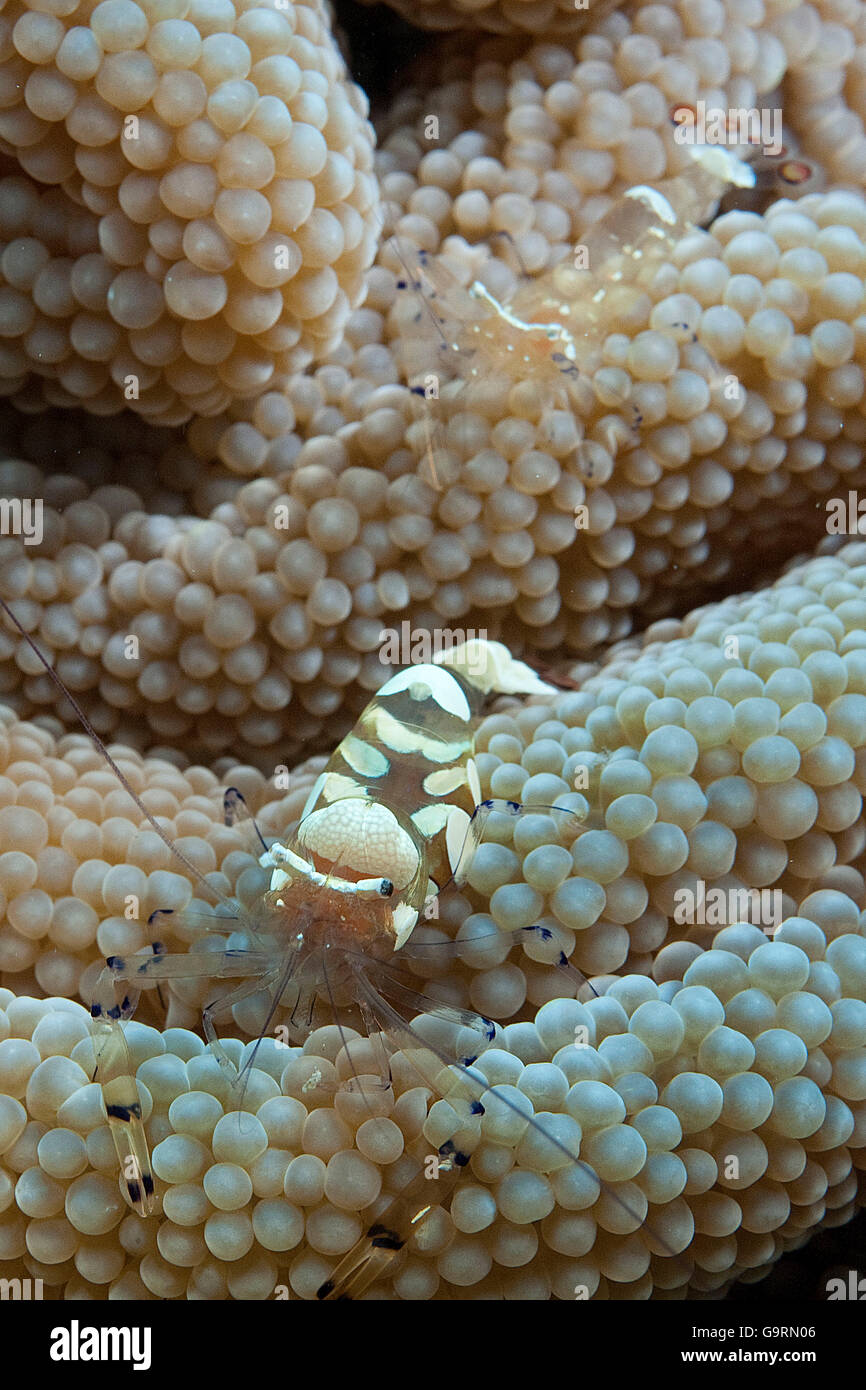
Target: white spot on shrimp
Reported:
[(444, 689), (455, 835), (445, 780), (315, 793), (474, 781), (431, 819), (363, 758), (406, 738), (404, 920)]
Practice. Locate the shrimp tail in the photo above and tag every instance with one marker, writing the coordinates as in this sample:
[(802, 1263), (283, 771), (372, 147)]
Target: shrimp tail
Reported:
[(490, 668)]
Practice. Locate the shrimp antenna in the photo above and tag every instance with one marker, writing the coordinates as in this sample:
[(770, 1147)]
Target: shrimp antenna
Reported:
[(97, 742)]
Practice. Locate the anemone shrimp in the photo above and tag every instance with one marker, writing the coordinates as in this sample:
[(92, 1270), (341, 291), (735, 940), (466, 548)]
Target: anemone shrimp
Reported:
[(555, 351), (394, 818)]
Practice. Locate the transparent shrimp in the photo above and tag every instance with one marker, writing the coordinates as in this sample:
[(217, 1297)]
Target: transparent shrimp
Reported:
[(395, 815), (472, 360)]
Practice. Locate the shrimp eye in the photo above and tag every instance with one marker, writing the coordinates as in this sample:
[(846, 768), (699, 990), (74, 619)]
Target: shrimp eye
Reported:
[(795, 171)]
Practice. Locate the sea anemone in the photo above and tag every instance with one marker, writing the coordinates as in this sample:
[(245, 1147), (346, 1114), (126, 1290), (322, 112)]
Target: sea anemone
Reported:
[(727, 754), (199, 207), (194, 231), (280, 598)]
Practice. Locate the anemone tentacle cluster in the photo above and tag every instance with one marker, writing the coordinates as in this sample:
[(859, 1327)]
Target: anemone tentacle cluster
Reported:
[(189, 210), (281, 596), (81, 870), (724, 750), (196, 207), (536, 140), (730, 1106), (745, 1043)]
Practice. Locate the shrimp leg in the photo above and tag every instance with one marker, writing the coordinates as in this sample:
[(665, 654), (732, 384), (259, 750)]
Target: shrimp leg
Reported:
[(236, 812), (114, 1068), (234, 996), (464, 832), (368, 1260), (123, 1109), (391, 1230), (407, 1211), (278, 976)]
